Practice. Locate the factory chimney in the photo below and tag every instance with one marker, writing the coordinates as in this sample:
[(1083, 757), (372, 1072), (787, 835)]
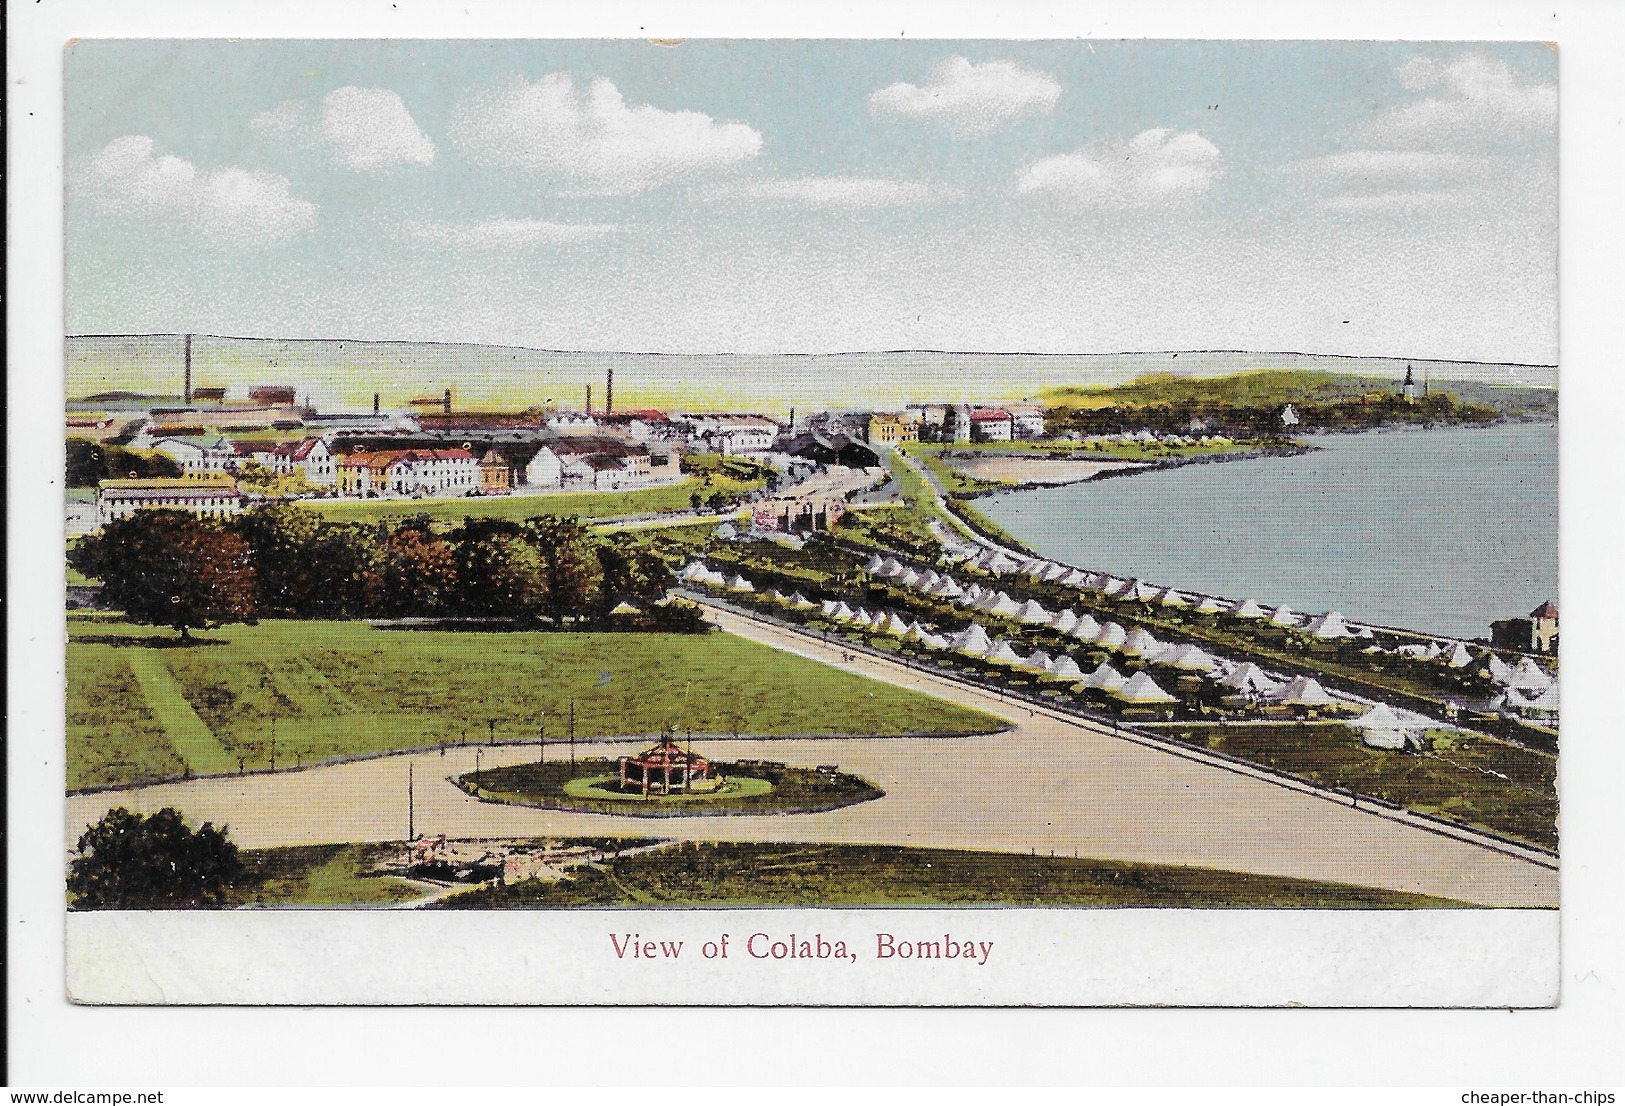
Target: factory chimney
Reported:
[(609, 390), (589, 399), (792, 420), (188, 384), (375, 404), (445, 402)]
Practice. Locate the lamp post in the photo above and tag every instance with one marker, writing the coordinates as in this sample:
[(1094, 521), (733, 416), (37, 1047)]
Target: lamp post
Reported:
[(541, 738), (477, 751), (572, 735)]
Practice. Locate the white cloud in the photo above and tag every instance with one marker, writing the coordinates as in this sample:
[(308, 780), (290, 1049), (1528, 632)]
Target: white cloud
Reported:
[(1155, 168), (359, 128), (843, 193), (1485, 141), (498, 233), (1480, 101), (128, 176), (591, 140), (971, 99)]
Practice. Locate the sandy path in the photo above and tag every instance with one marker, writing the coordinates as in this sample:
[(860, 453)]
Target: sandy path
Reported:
[(1037, 470), (1050, 784)]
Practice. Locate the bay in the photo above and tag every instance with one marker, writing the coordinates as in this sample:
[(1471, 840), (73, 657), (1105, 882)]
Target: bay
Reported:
[(1438, 530)]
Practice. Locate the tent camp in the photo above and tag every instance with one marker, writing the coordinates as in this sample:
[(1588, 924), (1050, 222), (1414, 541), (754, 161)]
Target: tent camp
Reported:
[(842, 612), (1283, 616), (1529, 676), (1210, 605), (1328, 627), (872, 565), (1458, 656), (1112, 636), (1141, 688), (1064, 621), (1302, 691), (1140, 643), (1001, 653), (1250, 679), (1040, 660), (1248, 609), (1002, 604), (1105, 678), (1381, 728), (1065, 668), (1033, 613), (1168, 597), (1087, 629), (972, 639), (694, 570), (800, 602), (1189, 658)]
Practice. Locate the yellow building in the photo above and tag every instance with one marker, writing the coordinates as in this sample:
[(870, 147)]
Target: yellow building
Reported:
[(889, 429)]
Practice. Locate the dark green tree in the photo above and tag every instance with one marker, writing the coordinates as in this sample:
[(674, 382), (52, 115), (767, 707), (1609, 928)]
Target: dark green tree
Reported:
[(154, 862), (90, 462), (167, 568)]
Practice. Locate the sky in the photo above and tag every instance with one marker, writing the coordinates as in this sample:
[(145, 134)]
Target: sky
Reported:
[(821, 196)]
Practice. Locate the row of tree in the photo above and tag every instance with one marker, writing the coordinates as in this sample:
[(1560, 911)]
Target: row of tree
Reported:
[(89, 463), (169, 568), (1264, 420)]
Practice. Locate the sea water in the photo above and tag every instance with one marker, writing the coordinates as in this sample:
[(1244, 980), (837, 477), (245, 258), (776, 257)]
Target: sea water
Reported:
[(1440, 530)]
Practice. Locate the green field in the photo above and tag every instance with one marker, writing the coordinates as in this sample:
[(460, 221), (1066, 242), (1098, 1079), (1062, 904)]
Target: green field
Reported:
[(320, 875), (638, 501), (737, 874), (325, 690), (750, 788), (1477, 781)]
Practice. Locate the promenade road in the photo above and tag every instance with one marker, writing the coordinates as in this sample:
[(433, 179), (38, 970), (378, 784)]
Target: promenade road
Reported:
[(1050, 784)]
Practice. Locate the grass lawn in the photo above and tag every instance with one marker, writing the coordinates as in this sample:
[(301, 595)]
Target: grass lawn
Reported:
[(751, 788), (327, 690), (320, 875), (738, 874), (1477, 781), (638, 501)]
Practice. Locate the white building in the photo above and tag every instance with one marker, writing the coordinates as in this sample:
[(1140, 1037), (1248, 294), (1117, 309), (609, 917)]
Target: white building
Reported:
[(209, 497), (732, 433)]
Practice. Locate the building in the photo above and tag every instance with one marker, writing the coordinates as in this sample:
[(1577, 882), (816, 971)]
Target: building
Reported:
[(307, 458), (496, 473), (409, 472), (888, 429), (206, 496), (798, 516), (832, 449), (271, 395), (544, 470), (195, 457), (663, 768), (991, 424), (1026, 420), (732, 433), (1543, 628)]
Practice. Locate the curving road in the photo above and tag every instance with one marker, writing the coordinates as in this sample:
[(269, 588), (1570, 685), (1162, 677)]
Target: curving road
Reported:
[(1052, 784)]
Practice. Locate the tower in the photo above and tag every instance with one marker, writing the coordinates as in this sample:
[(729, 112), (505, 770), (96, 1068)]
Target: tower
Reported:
[(445, 401), (589, 399), (187, 387), (1410, 386), (609, 390), (375, 404)]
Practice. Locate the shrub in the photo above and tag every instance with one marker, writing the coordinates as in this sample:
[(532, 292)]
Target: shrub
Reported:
[(153, 862)]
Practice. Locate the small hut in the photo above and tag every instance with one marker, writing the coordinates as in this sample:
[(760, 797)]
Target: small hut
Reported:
[(663, 768)]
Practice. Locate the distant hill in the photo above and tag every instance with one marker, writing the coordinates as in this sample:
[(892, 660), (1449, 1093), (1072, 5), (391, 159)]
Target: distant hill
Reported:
[(343, 374)]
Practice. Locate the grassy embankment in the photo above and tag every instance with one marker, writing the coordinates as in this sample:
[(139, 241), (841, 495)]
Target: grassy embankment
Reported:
[(326, 690), (637, 501), (730, 874), (1478, 782)]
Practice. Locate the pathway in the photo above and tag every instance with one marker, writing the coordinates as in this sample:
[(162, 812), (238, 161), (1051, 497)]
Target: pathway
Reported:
[(188, 733)]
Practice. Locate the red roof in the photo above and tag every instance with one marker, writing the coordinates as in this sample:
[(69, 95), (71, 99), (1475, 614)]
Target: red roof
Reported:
[(990, 416), (1547, 609), (667, 752)]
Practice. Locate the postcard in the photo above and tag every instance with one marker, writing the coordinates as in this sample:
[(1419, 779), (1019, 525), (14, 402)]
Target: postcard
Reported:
[(849, 522)]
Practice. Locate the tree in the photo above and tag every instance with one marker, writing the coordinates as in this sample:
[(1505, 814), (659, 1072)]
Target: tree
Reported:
[(500, 575), (154, 862), (569, 555), (629, 573), (167, 568), (282, 538), (420, 571), (89, 463)]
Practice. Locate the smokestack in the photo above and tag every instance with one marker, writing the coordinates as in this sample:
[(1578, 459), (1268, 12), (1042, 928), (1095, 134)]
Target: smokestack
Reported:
[(375, 403), (589, 399), (446, 402), (609, 390), (188, 386), (792, 420)]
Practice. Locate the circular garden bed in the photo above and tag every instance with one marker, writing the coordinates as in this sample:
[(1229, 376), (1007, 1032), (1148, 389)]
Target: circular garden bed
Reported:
[(737, 787)]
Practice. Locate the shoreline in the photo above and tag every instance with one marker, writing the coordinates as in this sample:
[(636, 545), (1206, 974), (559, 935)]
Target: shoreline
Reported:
[(1140, 468)]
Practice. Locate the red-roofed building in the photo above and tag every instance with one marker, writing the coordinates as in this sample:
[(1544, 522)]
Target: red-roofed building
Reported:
[(408, 472), (991, 424), (664, 768), (1543, 627)]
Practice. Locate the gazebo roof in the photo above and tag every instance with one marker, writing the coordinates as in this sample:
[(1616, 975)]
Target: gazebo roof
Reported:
[(666, 752)]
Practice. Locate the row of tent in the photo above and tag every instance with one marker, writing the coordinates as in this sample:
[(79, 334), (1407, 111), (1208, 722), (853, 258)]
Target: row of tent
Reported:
[(1381, 726), (1327, 627)]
